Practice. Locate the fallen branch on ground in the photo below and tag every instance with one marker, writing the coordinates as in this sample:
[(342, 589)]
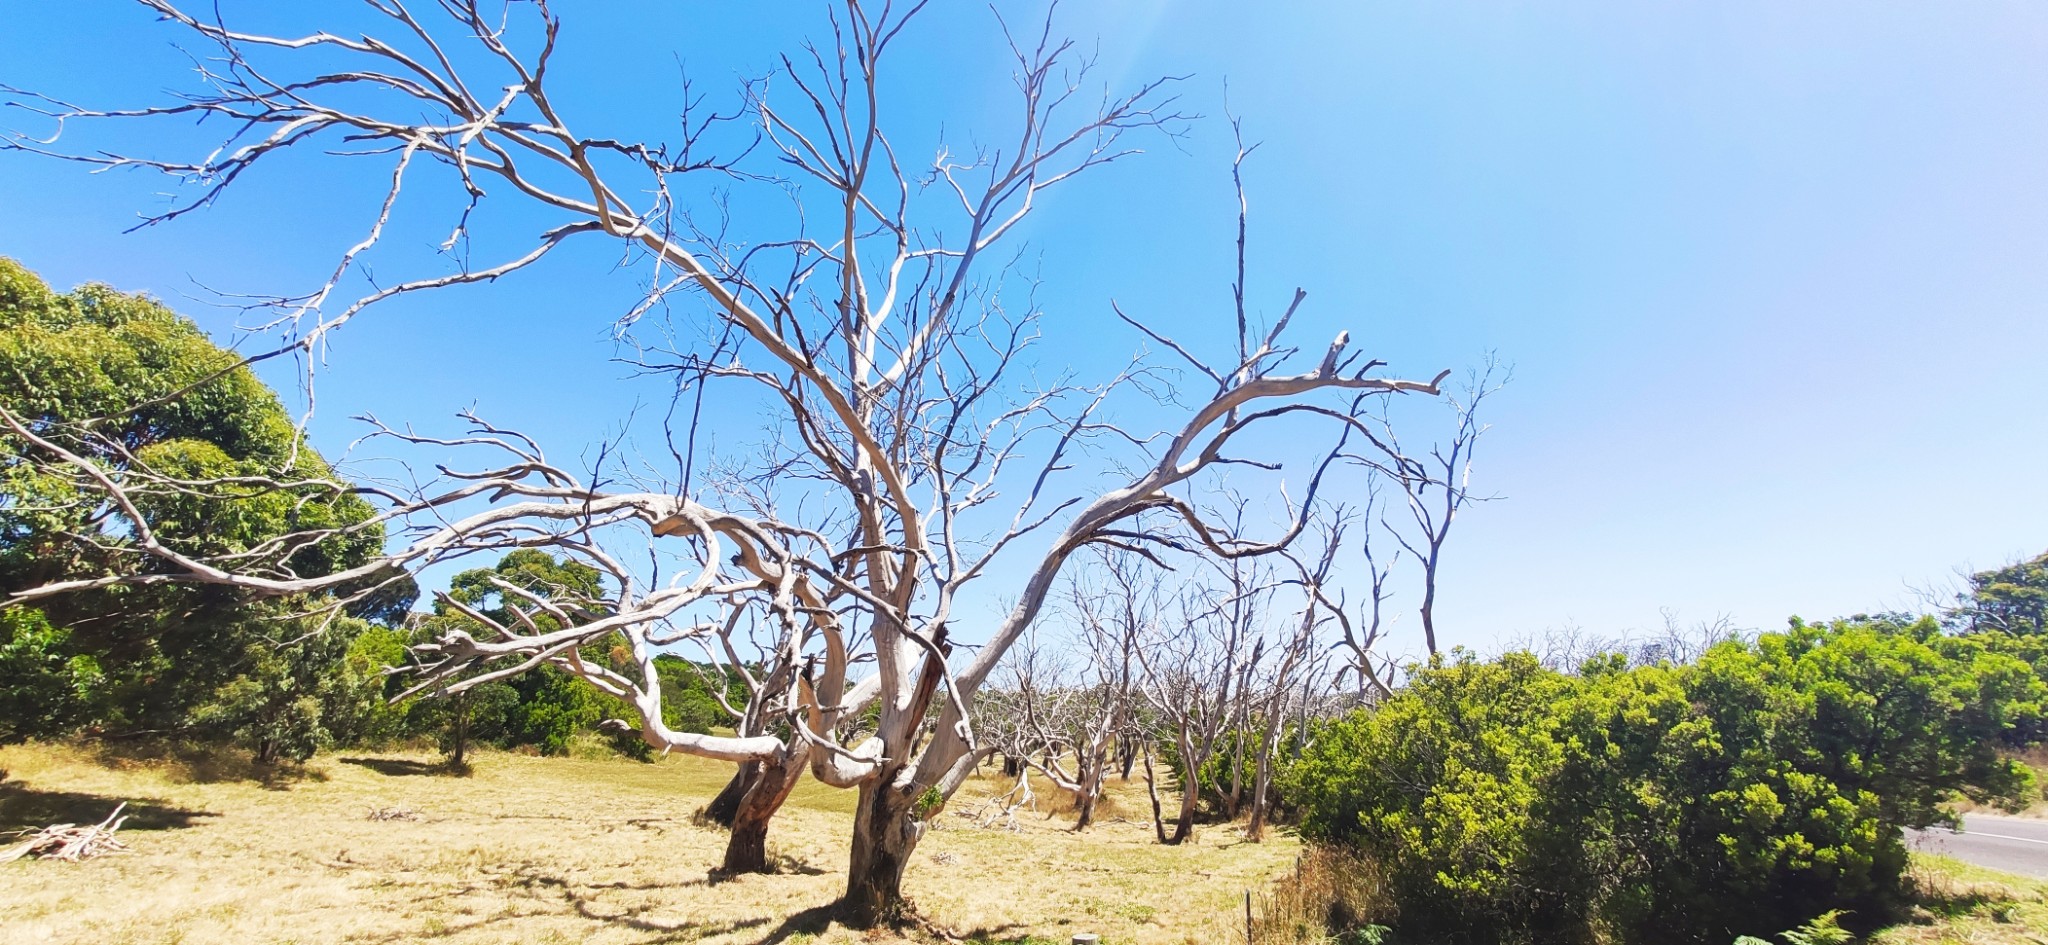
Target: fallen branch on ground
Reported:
[(71, 842)]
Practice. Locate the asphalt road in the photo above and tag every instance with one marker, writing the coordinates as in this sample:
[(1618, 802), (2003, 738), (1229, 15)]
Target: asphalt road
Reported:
[(2001, 843)]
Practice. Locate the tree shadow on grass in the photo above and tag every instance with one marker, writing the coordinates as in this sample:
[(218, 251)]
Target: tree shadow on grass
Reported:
[(198, 763), (588, 902), (529, 876), (585, 900), (408, 768), (661, 932), (817, 920), (680, 930), (812, 921), (23, 808)]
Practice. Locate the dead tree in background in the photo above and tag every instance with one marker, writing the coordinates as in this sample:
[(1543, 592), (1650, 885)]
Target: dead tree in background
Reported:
[(1567, 649), (1084, 711), (1295, 683), (1194, 664), (1061, 707), (1436, 490), (1358, 636)]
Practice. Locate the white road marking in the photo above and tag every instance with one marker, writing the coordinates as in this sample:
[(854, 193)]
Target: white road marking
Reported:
[(1995, 836)]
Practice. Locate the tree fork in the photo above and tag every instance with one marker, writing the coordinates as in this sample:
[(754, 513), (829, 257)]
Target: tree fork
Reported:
[(726, 805)]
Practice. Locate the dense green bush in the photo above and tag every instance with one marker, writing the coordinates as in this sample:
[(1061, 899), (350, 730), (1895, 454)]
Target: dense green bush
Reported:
[(296, 697), (44, 687), (691, 693), (94, 371), (1235, 751), (1742, 795), (544, 709)]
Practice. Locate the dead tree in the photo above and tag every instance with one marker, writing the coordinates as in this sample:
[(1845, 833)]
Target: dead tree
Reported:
[(759, 786), (1059, 712), (1193, 668), (1438, 489), (774, 690), (1025, 716), (1106, 629), (1231, 671), (1568, 648), (876, 318), (1295, 691), (1318, 579)]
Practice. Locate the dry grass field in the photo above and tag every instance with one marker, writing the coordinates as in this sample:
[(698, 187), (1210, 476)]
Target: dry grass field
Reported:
[(538, 850)]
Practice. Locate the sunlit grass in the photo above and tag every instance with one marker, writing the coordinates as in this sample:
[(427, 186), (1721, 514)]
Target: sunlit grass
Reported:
[(563, 850), (1960, 903)]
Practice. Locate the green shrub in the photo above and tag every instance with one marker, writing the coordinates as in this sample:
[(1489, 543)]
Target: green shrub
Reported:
[(44, 689), (1739, 796)]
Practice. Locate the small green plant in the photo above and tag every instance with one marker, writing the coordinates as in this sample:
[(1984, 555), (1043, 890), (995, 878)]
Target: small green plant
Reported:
[(1823, 929), (1374, 935), (929, 802)]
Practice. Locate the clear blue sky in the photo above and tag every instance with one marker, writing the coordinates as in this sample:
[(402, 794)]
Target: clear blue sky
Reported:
[(1772, 276)]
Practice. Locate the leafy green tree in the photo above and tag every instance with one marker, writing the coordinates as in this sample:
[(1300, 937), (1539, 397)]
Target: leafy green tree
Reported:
[(2030, 649), (1440, 783), (125, 383), (1882, 704), (43, 688), (460, 721), (273, 706), (2012, 599), (547, 708), (691, 694), (356, 707)]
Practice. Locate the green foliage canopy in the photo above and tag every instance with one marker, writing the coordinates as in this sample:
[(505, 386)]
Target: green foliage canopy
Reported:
[(1741, 795), (2012, 599), (545, 709), (126, 383)]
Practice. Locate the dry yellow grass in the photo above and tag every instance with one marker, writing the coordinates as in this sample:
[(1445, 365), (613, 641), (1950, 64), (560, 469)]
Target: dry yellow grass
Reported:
[(562, 850)]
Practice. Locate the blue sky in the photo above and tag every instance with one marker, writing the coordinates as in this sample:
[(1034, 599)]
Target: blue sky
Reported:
[(1772, 276)]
